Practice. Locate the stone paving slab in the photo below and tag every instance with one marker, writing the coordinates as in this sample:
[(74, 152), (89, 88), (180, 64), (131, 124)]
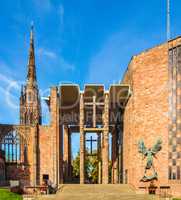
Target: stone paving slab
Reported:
[(97, 192)]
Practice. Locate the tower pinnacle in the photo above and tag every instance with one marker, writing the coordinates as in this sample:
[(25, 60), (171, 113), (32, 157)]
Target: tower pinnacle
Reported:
[(31, 77)]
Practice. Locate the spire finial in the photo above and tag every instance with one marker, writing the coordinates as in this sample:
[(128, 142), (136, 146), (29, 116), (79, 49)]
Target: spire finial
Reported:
[(22, 90), (32, 29), (32, 24)]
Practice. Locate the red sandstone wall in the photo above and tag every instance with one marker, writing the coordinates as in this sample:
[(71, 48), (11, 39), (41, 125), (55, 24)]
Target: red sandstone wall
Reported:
[(2, 169), (146, 114), (49, 138), (32, 143), (46, 152), (17, 172), (25, 172)]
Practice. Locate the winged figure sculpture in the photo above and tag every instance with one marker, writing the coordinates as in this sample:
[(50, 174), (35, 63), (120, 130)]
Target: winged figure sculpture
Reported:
[(149, 154)]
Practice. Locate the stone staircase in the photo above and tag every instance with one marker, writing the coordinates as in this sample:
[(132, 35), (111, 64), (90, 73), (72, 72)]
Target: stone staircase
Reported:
[(97, 192)]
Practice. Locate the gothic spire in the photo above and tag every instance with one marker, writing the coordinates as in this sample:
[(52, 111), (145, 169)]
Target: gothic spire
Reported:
[(30, 106), (31, 77)]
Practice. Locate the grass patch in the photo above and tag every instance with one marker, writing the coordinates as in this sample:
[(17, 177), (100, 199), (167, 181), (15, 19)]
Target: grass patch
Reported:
[(176, 199), (6, 195)]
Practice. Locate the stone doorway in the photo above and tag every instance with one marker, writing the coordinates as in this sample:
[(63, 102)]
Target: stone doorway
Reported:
[(93, 161), (75, 158)]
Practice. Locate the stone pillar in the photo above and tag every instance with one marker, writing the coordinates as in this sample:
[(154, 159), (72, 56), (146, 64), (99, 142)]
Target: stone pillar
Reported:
[(99, 158), (55, 127), (69, 158), (82, 141), (32, 156), (35, 156), (61, 156), (67, 153), (105, 148), (22, 151), (114, 158)]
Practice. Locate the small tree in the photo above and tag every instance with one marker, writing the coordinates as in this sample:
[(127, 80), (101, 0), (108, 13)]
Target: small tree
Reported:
[(91, 167), (76, 166)]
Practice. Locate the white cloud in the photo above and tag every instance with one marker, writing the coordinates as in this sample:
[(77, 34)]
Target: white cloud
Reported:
[(65, 65), (57, 59), (48, 53), (11, 90), (9, 98), (8, 70), (5, 79)]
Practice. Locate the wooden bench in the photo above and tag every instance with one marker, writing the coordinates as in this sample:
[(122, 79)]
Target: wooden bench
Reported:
[(41, 189), (148, 190), (165, 191), (143, 189)]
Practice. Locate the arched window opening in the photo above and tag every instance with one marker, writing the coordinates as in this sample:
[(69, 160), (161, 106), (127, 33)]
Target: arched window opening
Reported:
[(10, 144), (29, 97)]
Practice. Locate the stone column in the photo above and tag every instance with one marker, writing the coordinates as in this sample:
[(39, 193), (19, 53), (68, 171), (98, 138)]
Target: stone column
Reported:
[(99, 158), (32, 155), (105, 149), (82, 141), (35, 155), (22, 151), (67, 153), (69, 157), (61, 156), (114, 158), (55, 120)]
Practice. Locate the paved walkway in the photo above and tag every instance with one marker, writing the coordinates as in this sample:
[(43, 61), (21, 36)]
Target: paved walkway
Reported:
[(97, 192)]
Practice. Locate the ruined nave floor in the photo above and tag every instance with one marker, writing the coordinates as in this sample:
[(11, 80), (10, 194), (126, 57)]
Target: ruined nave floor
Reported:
[(97, 192)]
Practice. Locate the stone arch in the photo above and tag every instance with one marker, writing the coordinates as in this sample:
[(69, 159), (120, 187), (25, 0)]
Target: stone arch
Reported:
[(10, 144), (13, 141)]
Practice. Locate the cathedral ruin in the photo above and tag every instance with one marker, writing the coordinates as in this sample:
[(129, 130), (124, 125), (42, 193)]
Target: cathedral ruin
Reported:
[(145, 105)]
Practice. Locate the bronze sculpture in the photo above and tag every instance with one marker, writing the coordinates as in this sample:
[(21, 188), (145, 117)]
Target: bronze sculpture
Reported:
[(149, 154)]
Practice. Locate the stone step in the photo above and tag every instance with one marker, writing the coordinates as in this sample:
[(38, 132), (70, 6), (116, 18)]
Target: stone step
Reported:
[(97, 192), (98, 197), (96, 188)]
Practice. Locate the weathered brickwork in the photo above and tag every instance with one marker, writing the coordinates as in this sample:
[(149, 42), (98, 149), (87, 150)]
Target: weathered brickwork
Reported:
[(175, 111), (147, 114), (14, 172), (105, 146), (45, 152)]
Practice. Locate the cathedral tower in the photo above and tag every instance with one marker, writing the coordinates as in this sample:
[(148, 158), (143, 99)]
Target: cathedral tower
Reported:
[(30, 107)]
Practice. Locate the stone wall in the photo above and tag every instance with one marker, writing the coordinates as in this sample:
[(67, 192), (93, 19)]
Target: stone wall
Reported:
[(2, 166), (146, 114), (25, 168), (45, 152), (18, 172), (49, 148)]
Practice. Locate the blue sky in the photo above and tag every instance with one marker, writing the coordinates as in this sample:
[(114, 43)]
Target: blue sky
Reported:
[(79, 41)]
